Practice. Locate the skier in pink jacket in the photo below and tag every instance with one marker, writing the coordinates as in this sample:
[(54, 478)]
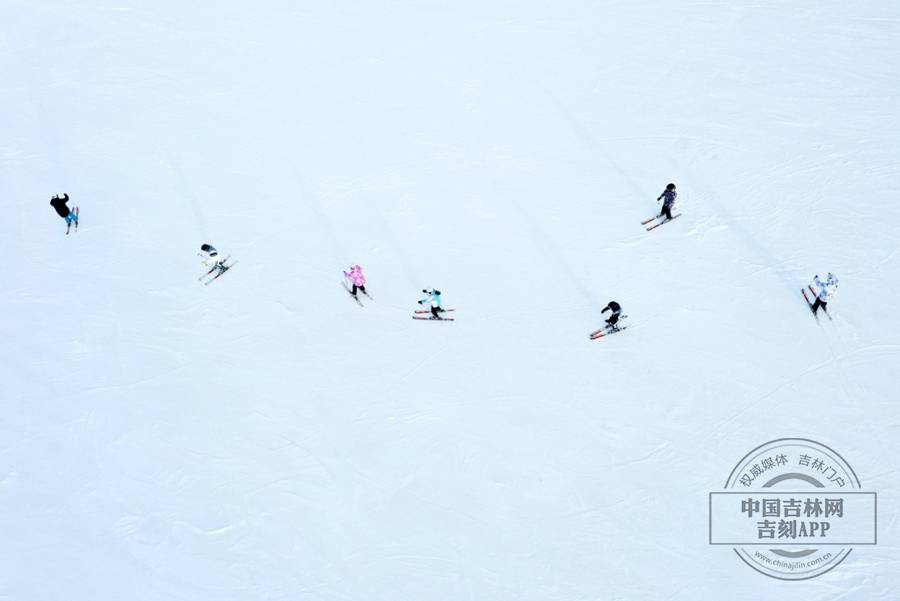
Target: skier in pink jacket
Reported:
[(359, 280)]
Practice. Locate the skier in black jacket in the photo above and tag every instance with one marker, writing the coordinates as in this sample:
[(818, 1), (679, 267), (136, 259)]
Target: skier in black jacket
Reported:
[(71, 216), (616, 310)]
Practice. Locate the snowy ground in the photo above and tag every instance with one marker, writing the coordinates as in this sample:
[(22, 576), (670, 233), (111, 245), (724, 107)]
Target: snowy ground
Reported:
[(265, 438)]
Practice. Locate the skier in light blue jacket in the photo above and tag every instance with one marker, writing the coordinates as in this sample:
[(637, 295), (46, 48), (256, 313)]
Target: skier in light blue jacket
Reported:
[(433, 298)]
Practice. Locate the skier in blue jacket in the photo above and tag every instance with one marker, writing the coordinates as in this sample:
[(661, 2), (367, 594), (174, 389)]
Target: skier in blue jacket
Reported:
[(669, 194)]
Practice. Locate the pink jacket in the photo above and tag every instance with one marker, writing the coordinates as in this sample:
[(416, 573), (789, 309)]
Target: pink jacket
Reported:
[(356, 275)]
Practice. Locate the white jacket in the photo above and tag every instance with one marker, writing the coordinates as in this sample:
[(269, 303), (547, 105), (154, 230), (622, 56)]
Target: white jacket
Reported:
[(827, 288), (212, 258)]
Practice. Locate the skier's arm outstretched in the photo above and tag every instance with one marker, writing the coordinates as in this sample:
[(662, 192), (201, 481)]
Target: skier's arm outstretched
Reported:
[(432, 297)]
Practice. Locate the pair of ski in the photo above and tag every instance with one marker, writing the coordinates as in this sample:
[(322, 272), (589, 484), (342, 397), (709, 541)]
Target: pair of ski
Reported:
[(810, 303), (221, 271), (608, 330), (354, 296), (420, 315), (69, 225), (652, 226)]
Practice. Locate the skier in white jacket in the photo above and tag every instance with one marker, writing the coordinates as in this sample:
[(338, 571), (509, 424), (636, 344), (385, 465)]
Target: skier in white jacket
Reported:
[(827, 289), (212, 259)]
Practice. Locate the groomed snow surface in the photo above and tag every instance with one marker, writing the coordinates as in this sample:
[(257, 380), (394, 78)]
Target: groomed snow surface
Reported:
[(266, 438)]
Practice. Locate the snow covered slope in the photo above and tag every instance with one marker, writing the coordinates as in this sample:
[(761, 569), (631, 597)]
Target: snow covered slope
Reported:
[(266, 438)]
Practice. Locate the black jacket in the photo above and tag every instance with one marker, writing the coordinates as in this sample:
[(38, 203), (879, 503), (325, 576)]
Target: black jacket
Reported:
[(60, 205), (613, 306)]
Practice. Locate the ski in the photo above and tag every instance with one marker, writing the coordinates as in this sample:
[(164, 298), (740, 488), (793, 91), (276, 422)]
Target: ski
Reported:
[(607, 329), (656, 225), (646, 221), (605, 332), (220, 274), (213, 269), (432, 318), (814, 295), (356, 298), (809, 304), (429, 310), (69, 223)]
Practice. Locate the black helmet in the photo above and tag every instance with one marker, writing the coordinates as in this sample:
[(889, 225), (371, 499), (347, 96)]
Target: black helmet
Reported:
[(205, 247), (670, 187)]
